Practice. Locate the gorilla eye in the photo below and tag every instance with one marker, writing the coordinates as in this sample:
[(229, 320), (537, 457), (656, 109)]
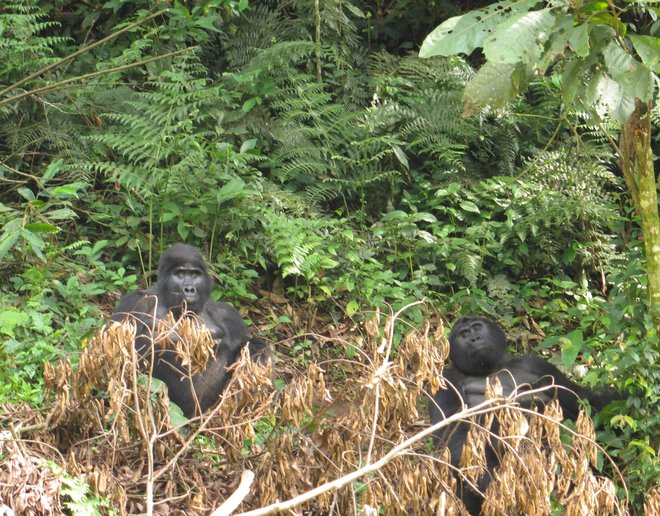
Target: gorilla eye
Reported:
[(477, 326), (465, 333)]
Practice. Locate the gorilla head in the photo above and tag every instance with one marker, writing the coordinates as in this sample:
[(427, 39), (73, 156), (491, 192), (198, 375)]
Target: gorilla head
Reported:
[(477, 345), (183, 278)]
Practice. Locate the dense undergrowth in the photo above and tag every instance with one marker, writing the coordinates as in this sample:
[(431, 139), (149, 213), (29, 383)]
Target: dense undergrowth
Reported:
[(325, 171)]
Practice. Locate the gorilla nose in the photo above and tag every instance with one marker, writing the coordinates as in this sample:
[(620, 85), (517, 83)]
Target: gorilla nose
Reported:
[(189, 291)]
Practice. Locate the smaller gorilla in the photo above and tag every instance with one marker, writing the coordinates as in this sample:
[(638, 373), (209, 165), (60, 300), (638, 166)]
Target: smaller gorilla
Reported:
[(184, 282), (477, 351)]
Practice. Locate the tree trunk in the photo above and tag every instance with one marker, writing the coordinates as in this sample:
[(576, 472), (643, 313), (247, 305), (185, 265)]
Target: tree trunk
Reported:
[(637, 167)]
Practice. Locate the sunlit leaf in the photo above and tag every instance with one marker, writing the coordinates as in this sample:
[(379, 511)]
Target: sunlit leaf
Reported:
[(462, 34), (519, 38), (633, 77), (579, 40), (470, 206), (41, 227), (648, 49), (608, 98), (352, 307)]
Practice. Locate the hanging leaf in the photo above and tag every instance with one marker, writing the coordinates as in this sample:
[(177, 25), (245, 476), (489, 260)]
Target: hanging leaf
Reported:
[(401, 156), (490, 86), (634, 78), (608, 97), (579, 40), (520, 38), (462, 34), (648, 49)]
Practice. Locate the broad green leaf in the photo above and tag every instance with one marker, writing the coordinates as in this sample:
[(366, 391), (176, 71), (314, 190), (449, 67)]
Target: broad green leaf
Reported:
[(569, 255), (571, 345), (427, 237), (51, 171), (648, 49), (231, 190), (177, 417), (608, 98), (36, 243), (27, 194), (490, 86), (70, 190), (425, 216), (450, 189), (569, 80), (519, 38), (462, 34), (8, 242), (182, 230), (248, 145), (41, 227), (579, 40), (470, 206), (62, 214), (326, 263), (10, 319), (635, 79), (352, 307), (355, 11), (556, 45), (250, 103)]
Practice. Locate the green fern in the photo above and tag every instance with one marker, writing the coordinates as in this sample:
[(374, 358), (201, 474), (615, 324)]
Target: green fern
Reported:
[(23, 47)]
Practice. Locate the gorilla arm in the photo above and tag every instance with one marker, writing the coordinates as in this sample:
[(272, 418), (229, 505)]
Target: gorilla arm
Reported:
[(537, 372), (229, 336)]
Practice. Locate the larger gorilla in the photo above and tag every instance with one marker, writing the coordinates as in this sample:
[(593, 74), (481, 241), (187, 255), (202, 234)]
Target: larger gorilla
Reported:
[(477, 349), (184, 282)]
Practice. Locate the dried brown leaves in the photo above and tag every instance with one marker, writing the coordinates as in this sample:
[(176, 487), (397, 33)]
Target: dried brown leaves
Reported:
[(330, 418), (27, 483), (537, 467)]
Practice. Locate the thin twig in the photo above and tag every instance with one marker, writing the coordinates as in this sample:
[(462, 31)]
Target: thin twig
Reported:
[(80, 51), (61, 84)]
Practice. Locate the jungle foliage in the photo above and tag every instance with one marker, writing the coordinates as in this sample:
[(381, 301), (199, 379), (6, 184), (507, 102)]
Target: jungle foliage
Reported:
[(325, 170)]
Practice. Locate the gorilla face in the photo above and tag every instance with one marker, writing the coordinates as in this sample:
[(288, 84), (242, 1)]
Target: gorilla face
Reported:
[(186, 284), (477, 346), (183, 278)]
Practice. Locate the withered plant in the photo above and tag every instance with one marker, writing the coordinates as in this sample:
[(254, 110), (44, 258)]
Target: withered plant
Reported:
[(338, 436)]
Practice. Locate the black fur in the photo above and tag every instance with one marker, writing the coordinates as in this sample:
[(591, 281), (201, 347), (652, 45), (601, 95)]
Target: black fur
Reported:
[(184, 281), (477, 351)]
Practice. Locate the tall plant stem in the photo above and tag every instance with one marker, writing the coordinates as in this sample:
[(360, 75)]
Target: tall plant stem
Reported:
[(637, 167), (317, 19)]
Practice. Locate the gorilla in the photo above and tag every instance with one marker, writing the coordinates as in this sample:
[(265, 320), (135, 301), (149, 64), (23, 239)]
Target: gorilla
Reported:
[(477, 349), (184, 284)]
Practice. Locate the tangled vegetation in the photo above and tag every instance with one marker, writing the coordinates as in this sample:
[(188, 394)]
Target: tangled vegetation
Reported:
[(325, 171)]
